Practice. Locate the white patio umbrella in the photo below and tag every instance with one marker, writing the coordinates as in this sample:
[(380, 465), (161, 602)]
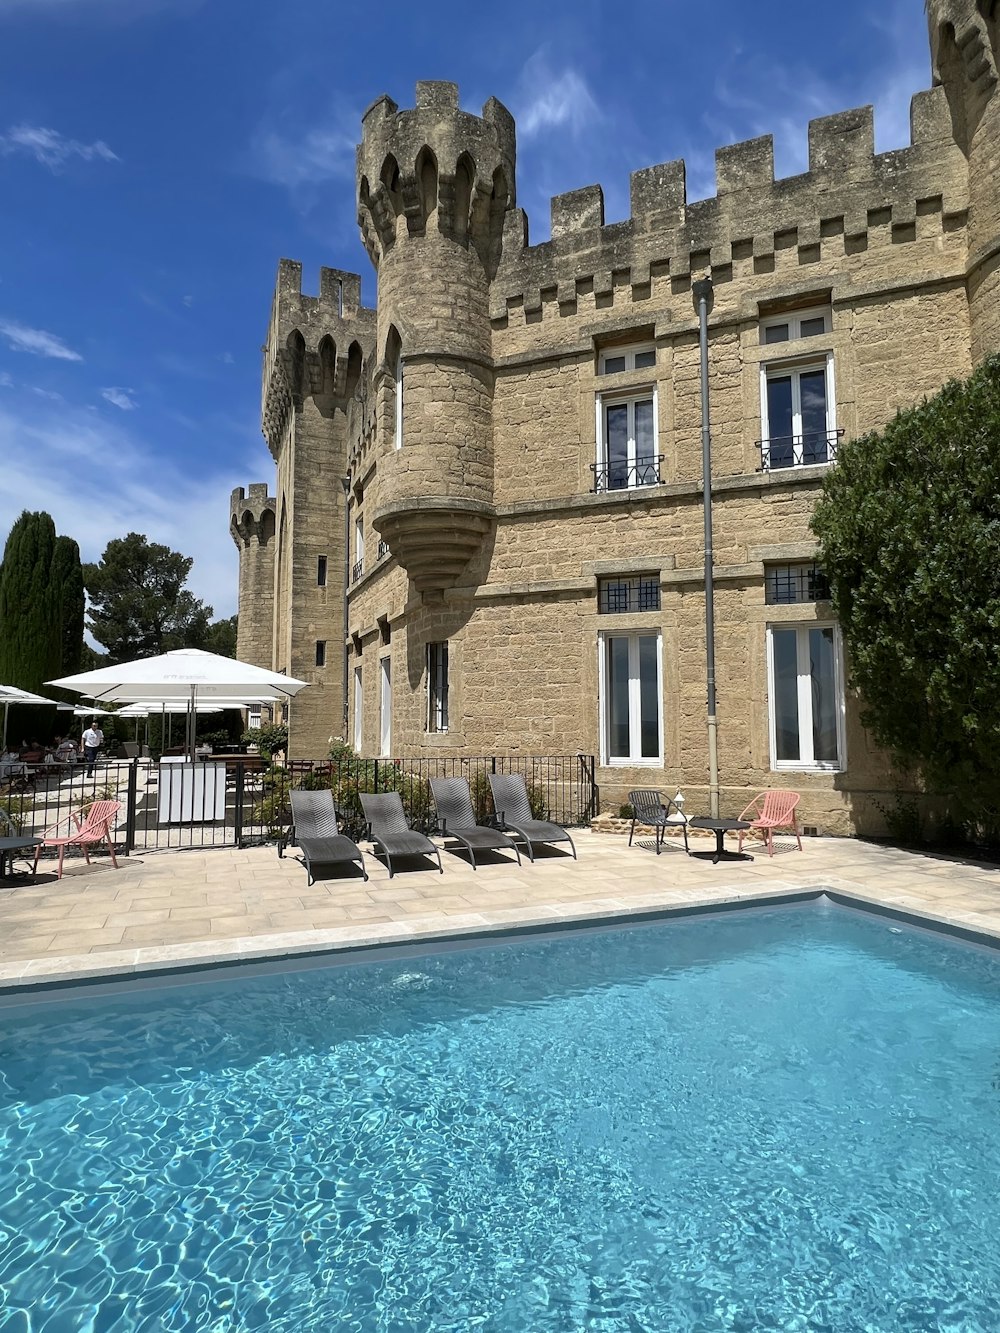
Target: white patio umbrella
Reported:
[(12, 694), (188, 674)]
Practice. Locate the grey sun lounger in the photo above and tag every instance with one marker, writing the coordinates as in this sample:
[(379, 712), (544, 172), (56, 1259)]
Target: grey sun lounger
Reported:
[(510, 800), (315, 829), (649, 807), (457, 819), (389, 832)]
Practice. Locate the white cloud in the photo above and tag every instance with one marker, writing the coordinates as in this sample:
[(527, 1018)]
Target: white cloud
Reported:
[(556, 101), (322, 154), (51, 148), (6, 381), (36, 341), (100, 480), (120, 398), (47, 393)]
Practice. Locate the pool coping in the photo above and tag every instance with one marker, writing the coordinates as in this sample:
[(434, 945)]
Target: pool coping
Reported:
[(42, 975)]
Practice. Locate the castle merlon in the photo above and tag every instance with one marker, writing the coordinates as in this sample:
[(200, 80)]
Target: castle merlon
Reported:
[(848, 191)]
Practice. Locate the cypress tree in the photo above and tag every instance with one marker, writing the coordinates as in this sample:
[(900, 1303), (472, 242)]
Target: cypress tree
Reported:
[(67, 580), (30, 620)]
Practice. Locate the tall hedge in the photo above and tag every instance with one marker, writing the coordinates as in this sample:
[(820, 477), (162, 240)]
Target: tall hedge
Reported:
[(909, 535), (30, 608)]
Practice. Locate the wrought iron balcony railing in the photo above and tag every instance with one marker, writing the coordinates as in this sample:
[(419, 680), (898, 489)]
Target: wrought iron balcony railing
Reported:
[(383, 550), (357, 570), (621, 476), (811, 447)]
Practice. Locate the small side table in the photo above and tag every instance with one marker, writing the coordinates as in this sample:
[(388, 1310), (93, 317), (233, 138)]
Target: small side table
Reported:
[(9, 847), (720, 827)]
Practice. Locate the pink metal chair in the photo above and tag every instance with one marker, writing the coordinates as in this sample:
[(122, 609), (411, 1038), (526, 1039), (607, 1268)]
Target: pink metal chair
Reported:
[(771, 812), (94, 828)]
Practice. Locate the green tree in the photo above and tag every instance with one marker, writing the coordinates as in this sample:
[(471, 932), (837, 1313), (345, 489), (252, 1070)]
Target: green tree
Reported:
[(67, 581), (30, 610), (909, 536), (221, 637), (138, 605)]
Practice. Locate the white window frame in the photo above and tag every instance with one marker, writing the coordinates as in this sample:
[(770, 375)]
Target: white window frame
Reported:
[(359, 699), (806, 763), (359, 540), (635, 730), (606, 400), (385, 706), (795, 369), (437, 666), (397, 438), (794, 319), (629, 353)]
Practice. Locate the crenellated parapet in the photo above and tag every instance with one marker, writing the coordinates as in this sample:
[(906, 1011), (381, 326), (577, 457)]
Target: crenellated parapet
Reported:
[(435, 165), (251, 515), (849, 198), (315, 346)]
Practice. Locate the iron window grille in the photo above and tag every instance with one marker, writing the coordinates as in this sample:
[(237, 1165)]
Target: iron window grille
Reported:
[(437, 687), (636, 593), (382, 551), (357, 569), (783, 451), (786, 584)]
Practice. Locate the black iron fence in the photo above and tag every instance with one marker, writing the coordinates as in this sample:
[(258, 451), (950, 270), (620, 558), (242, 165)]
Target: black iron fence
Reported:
[(802, 450), (238, 800)]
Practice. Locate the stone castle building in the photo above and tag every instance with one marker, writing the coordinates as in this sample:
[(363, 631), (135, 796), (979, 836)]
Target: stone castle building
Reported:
[(501, 465)]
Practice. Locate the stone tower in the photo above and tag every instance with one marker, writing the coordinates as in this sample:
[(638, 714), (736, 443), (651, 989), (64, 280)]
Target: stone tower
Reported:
[(434, 186), (965, 55), (251, 526), (313, 360)]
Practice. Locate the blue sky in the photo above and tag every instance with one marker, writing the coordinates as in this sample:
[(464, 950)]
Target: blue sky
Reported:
[(157, 158)]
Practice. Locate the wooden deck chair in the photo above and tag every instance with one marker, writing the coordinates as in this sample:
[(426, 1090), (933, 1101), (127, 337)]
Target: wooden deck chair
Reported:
[(769, 813), (93, 828)]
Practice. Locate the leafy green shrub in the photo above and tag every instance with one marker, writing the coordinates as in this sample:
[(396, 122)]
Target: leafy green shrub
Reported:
[(625, 811), (270, 740), (273, 809), (903, 819), (908, 529)]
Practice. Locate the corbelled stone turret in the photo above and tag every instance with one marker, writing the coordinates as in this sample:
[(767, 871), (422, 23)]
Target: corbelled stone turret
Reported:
[(965, 56), (251, 526), (434, 185)]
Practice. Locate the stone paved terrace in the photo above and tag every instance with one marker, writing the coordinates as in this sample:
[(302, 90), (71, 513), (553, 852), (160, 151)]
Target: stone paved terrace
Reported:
[(176, 909)]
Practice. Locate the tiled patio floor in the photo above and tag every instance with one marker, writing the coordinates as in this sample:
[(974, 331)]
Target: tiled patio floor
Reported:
[(177, 908)]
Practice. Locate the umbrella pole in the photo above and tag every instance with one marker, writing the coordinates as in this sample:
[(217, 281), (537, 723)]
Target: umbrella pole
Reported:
[(6, 706)]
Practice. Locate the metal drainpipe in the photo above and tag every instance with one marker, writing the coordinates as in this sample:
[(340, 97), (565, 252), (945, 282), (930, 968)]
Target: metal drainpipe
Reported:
[(703, 295), (346, 483)]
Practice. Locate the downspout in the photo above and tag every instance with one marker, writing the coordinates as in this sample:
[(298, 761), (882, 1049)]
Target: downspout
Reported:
[(703, 294), (346, 483)]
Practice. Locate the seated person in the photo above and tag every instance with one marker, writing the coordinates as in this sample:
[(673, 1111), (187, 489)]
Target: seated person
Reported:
[(12, 766), (66, 750)]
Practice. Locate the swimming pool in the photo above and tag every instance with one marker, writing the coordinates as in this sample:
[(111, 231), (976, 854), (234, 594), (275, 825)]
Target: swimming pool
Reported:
[(773, 1119)]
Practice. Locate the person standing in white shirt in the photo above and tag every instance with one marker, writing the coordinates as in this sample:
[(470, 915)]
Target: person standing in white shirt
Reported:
[(93, 739)]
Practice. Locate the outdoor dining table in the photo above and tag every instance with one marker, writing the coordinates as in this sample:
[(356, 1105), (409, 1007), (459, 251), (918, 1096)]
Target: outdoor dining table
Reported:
[(9, 847), (720, 827)]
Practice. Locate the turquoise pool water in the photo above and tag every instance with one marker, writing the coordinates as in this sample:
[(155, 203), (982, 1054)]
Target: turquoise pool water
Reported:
[(774, 1119)]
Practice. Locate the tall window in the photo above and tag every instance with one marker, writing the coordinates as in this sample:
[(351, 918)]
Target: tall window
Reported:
[(321, 652), (398, 374), (806, 697), (798, 418), (321, 571), (631, 699), (626, 455), (358, 708), (385, 709), (437, 687), (799, 422), (359, 549)]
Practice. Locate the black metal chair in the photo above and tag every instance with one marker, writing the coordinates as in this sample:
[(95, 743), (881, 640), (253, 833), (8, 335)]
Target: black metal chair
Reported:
[(389, 832), (316, 830), (457, 819), (513, 812), (650, 807)]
